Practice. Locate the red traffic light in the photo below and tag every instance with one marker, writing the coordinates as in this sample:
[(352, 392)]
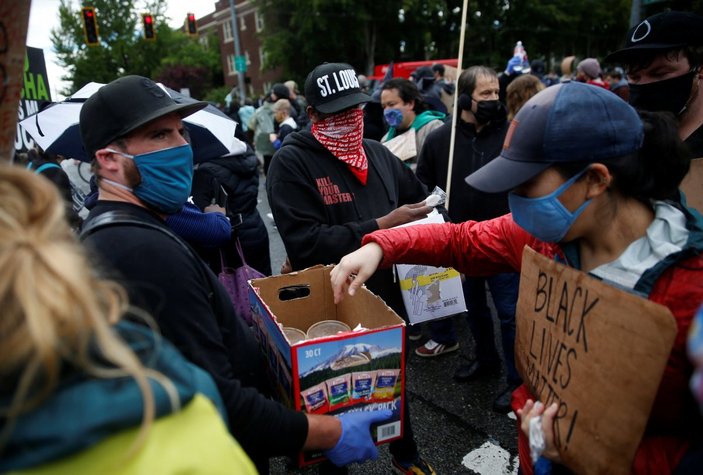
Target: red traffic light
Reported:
[(191, 25), (90, 26), (148, 23)]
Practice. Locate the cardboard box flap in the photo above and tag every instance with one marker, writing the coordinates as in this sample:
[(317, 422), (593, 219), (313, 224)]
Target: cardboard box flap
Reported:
[(296, 300)]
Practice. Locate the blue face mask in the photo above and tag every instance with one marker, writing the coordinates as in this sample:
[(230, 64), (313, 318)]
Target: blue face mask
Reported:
[(167, 176), (394, 117), (545, 217)]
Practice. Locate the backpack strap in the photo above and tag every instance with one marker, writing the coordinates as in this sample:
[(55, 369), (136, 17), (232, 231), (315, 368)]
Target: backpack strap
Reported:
[(46, 166), (124, 218)]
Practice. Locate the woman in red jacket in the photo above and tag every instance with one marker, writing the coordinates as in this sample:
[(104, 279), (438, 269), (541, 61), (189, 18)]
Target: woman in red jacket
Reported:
[(595, 187)]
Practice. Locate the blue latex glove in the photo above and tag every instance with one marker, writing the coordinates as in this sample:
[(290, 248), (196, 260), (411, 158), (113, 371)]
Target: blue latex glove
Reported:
[(356, 444)]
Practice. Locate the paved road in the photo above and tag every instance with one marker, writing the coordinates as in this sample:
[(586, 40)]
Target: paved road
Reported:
[(455, 428)]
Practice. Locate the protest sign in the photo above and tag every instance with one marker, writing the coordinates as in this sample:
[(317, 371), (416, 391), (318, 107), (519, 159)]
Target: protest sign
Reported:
[(598, 352)]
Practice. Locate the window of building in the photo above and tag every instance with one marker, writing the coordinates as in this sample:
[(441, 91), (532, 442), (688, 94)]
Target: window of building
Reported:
[(227, 30), (246, 54), (259, 21), (242, 24), (231, 69)]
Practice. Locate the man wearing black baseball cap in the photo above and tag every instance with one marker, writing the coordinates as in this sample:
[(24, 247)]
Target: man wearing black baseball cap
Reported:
[(327, 187), (663, 56), (133, 129)]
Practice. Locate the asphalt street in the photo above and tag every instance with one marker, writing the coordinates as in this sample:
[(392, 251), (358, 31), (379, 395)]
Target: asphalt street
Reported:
[(455, 429)]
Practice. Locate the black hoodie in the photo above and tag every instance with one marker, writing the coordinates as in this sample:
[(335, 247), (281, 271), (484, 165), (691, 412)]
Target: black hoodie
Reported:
[(322, 210)]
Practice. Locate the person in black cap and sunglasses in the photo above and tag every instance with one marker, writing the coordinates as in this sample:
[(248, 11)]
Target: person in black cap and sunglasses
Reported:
[(327, 187), (144, 165), (663, 56), (594, 186)]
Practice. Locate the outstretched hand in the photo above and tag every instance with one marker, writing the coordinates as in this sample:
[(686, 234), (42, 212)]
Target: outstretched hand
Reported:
[(354, 269)]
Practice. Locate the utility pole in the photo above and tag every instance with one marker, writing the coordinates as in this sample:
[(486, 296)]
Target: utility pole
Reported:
[(238, 54), (635, 14)]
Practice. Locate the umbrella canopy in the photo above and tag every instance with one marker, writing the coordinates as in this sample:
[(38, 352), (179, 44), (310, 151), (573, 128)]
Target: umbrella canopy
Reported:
[(55, 128)]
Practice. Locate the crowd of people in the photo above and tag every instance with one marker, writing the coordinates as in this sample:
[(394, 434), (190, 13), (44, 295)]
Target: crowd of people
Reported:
[(118, 331)]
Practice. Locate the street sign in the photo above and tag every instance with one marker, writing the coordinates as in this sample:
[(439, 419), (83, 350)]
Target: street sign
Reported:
[(240, 64)]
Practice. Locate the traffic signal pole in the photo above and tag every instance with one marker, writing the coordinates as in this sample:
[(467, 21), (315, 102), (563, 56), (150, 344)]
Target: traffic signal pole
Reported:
[(237, 52)]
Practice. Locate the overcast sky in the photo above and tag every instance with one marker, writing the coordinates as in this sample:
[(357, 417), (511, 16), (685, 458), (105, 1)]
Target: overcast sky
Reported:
[(43, 17)]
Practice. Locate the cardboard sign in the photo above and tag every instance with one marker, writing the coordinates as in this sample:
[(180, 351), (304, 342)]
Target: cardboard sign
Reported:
[(14, 17), (598, 352), (692, 185)]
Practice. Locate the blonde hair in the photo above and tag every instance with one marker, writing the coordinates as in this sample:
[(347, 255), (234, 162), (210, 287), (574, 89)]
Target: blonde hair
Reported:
[(519, 91), (55, 309)]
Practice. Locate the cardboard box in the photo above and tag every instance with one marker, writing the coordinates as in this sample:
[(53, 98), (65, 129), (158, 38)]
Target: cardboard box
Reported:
[(359, 370)]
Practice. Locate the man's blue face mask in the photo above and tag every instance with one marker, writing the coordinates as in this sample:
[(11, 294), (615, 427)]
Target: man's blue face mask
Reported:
[(167, 177), (394, 117), (545, 217)]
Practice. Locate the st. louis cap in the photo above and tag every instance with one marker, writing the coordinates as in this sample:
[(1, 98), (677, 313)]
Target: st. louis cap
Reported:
[(565, 123), (124, 105), (333, 87), (663, 31)]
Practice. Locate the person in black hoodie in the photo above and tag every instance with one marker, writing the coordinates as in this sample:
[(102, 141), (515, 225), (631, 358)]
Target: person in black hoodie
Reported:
[(239, 177), (480, 130), (328, 187)]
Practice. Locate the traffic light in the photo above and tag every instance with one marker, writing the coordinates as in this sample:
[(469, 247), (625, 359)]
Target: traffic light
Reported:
[(148, 21), (191, 25), (90, 26)]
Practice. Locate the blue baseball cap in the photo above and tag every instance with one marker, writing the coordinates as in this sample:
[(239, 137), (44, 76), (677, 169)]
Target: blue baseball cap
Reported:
[(565, 123)]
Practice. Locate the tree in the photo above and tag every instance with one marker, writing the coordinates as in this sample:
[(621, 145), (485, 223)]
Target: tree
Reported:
[(302, 33), (173, 58)]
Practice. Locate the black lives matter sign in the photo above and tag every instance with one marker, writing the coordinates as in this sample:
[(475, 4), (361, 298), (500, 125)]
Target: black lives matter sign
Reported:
[(598, 352)]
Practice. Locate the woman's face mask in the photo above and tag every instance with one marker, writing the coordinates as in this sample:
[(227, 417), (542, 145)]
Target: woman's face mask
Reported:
[(167, 176), (545, 217)]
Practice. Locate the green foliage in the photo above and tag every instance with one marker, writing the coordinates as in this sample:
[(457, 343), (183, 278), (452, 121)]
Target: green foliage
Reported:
[(217, 95), (300, 34), (173, 58)]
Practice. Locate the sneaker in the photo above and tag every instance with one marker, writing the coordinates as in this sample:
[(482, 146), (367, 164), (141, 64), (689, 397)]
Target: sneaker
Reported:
[(416, 467), (432, 348)]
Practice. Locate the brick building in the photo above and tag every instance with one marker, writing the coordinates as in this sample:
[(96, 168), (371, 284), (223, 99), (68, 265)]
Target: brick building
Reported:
[(250, 24)]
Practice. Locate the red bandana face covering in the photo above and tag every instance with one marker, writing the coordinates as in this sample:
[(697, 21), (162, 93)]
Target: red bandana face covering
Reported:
[(341, 134)]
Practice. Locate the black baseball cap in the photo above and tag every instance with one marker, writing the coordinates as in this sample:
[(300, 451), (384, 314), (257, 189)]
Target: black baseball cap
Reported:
[(333, 87), (124, 105), (661, 32), (566, 123)]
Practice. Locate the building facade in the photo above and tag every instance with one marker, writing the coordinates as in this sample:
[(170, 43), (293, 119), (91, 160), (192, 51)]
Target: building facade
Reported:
[(250, 24)]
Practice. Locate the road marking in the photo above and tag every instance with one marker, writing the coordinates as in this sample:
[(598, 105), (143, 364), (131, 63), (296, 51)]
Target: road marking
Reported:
[(491, 459)]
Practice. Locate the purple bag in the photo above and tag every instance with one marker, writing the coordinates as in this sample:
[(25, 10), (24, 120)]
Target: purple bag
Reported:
[(235, 281)]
